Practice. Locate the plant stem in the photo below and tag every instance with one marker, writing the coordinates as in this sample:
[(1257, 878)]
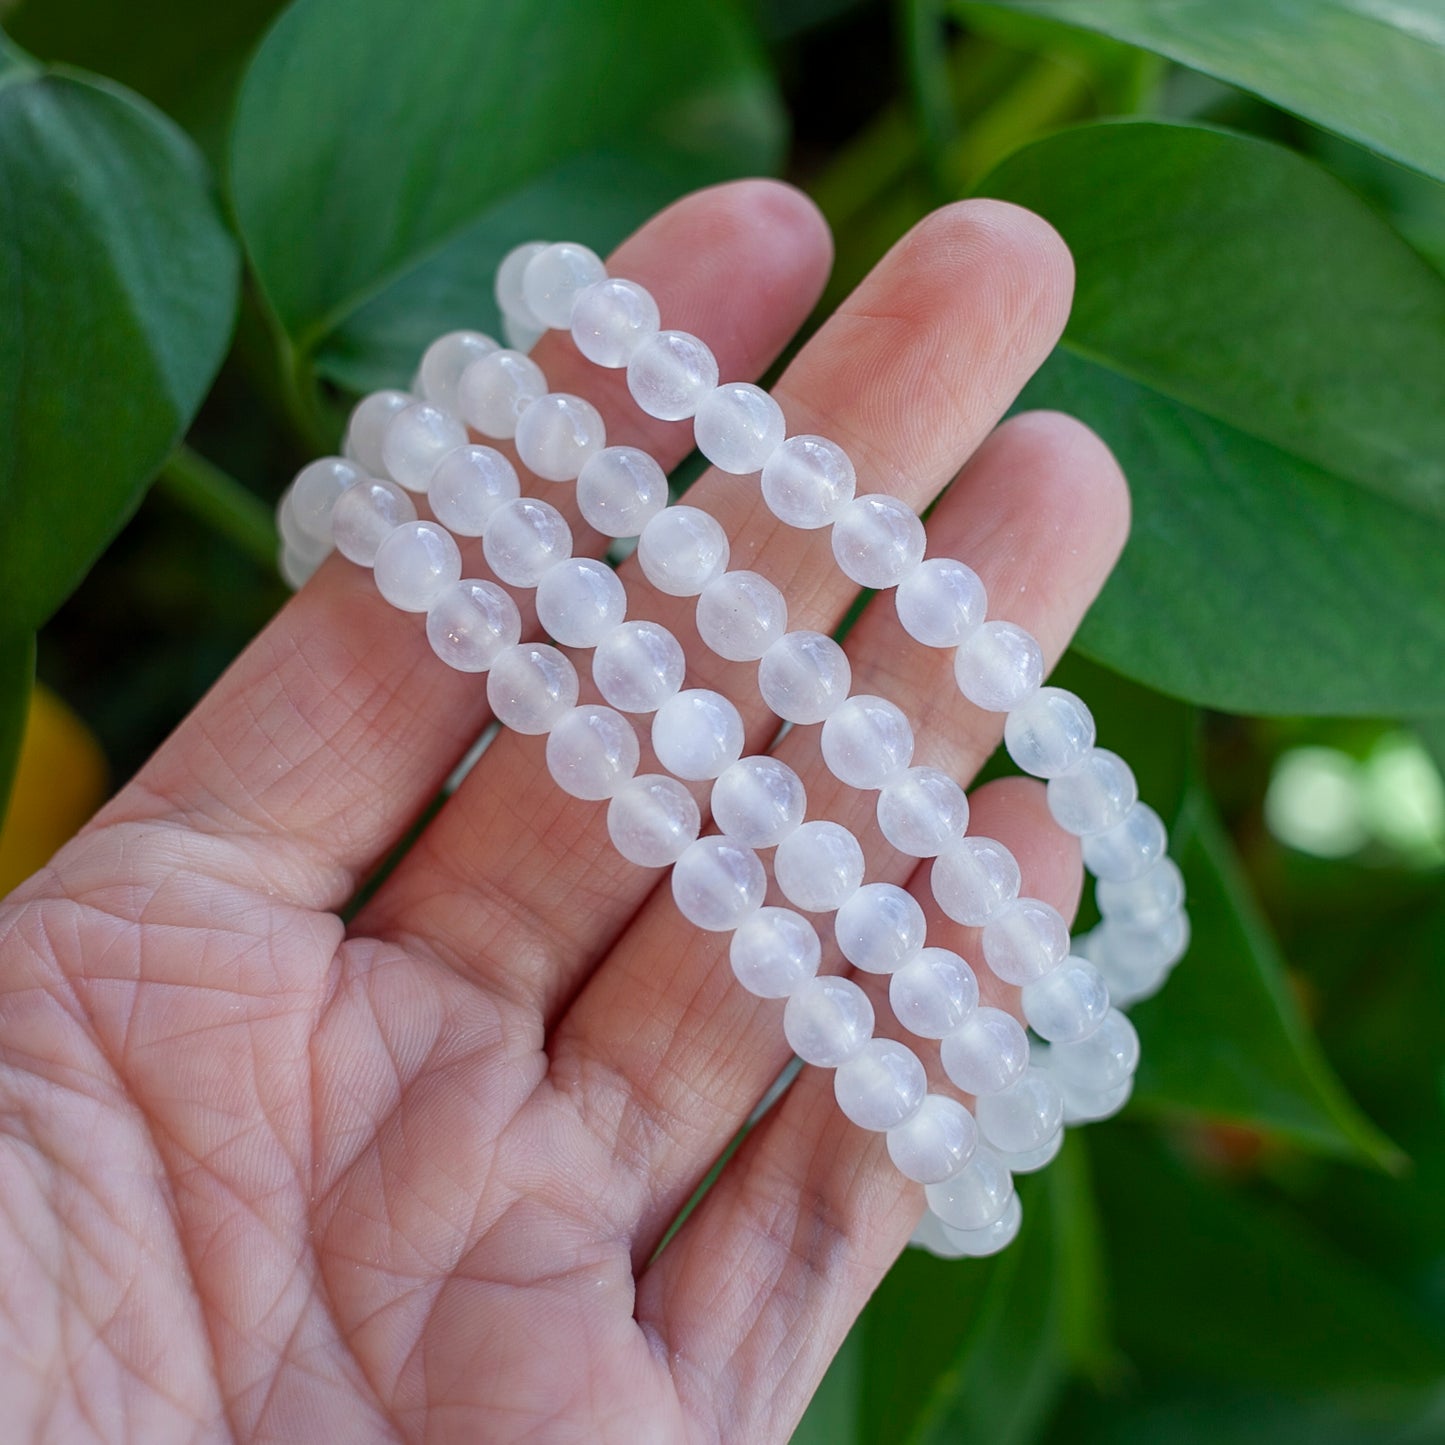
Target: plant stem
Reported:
[(218, 500)]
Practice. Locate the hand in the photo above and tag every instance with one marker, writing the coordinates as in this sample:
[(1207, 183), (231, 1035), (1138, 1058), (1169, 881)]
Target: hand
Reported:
[(267, 1175)]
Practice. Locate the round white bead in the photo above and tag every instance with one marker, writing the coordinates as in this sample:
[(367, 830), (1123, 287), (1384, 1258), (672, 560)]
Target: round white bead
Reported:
[(443, 362), (774, 952), (295, 570), (552, 279), (638, 666), (998, 666), (363, 515), (1023, 1116), (973, 878), (309, 551), (717, 883), (1133, 845), (1067, 1004), (740, 615), (818, 866), (415, 563), (1049, 733), (681, 550), (580, 600), (495, 390), (877, 540), (1103, 1061), (670, 373), (620, 490), (697, 733), (806, 480), (523, 539), (803, 676), (520, 337), (866, 741), (921, 812), (827, 1020), (611, 318), (471, 624), (591, 752), (759, 801), (881, 1085), (974, 1197), (1136, 961), (738, 426), (880, 928), (468, 485), (980, 1243), (367, 425), (933, 993), (935, 1142), (987, 1054), (652, 819), (557, 434), (1025, 940), (508, 286), (314, 493), (1094, 795), (940, 602), (1089, 1106), (1145, 901), (1028, 1161), (416, 439), (531, 687)]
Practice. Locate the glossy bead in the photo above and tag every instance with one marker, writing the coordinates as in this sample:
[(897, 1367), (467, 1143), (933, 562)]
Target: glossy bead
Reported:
[(315, 492), (803, 676), (880, 928), (443, 362), (1090, 1106), (471, 624), (309, 551), (717, 883), (531, 687), (806, 480), (935, 1142), (827, 1020), (611, 318), (670, 373), (877, 540), (552, 279), (511, 301), (933, 993), (520, 337), (1029, 1161), (1145, 901), (638, 666), (681, 550), (295, 570), (652, 819), (738, 426), (495, 390), (1100, 1062), (973, 879), (974, 1197), (998, 666), (1025, 940), (980, 1243), (367, 425), (523, 539), (940, 602), (363, 515), (1135, 961), (759, 801), (922, 811), (580, 600), (740, 615), (881, 1085), (1049, 733), (818, 866), (987, 1054), (1067, 1004), (774, 952), (697, 733), (866, 741), (1094, 795), (416, 439), (558, 434), (1023, 1116), (468, 485), (415, 563), (1133, 845), (591, 752), (620, 490)]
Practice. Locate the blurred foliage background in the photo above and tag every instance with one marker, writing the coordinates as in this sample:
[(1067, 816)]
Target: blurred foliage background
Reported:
[(221, 222)]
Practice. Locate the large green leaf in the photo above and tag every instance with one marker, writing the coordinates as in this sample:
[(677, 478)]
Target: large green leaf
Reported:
[(1373, 70), (118, 285)]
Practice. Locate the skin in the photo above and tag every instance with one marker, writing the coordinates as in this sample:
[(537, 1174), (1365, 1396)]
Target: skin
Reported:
[(266, 1176)]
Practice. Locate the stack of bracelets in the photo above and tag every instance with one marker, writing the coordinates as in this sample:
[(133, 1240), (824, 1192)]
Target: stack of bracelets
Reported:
[(1079, 1065)]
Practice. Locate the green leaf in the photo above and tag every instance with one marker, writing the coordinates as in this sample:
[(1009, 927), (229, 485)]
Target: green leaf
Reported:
[(17, 676), (1373, 70), (118, 285)]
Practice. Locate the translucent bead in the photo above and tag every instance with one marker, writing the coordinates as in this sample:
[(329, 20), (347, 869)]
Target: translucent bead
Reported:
[(774, 952), (992, 1238), (494, 391), (877, 540), (681, 550), (1023, 1116), (974, 1197), (1029, 1161), (803, 676), (922, 811), (1102, 1061), (827, 1020), (530, 687), (1067, 1004), (998, 666), (471, 624), (1134, 961), (880, 928), (697, 733), (738, 426), (806, 480), (933, 993), (866, 741), (1133, 845), (468, 485), (309, 551), (611, 318), (580, 600), (620, 490), (367, 425), (416, 439), (638, 666), (523, 539), (415, 563), (295, 570), (520, 337), (363, 515), (670, 373), (881, 1085), (1145, 901), (443, 362), (740, 615), (940, 602), (717, 883), (1094, 794), (759, 801), (652, 819), (987, 1054), (557, 434), (1025, 940), (973, 879), (935, 1142), (315, 492), (508, 287), (1090, 1106), (1049, 733), (818, 866), (552, 279), (591, 752)]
